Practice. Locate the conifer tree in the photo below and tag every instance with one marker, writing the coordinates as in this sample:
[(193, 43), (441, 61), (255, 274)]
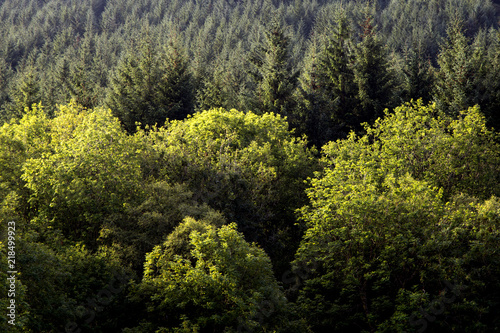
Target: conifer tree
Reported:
[(131, 95), (312, 106), (336, 77), (25, 94), (62, 77), (273, 73), (461, 72), (78, 79), (29, 91), (418, 76), (491, 105), (176, 92), (211, 93), (372, 75), (149, 88), (5, 76)]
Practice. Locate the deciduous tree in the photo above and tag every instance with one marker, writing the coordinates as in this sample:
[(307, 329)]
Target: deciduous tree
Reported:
[(214, 282)]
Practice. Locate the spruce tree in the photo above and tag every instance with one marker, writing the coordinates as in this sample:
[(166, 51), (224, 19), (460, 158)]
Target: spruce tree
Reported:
[(418, 75), (336, 78), (491, 104), (276, 81), (313, 117), (5, 77), (461, 72), (78, 79), (372, 74), (149, 88), (175, 92), (25, 94), (211, 93), (62, 77)]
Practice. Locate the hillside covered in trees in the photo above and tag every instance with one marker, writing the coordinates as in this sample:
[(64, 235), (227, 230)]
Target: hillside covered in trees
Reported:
[(250, 166)]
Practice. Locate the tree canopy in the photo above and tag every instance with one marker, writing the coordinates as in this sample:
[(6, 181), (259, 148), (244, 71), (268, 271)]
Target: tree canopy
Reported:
[(250, 166), (387, 234)]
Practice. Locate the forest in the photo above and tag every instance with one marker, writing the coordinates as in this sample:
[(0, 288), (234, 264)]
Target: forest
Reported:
[(293, 166)]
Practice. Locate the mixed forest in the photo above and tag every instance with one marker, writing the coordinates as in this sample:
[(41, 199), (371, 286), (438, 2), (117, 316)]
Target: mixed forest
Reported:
[(250, 166)]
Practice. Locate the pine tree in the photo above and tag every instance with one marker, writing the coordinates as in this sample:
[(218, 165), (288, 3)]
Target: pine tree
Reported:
[(62, 77), (311, 111), (211, 93), (5, 76), (132, 87), (176, 92)]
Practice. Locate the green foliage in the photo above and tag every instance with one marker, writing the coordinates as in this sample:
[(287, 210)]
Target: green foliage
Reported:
[(130, 234), (56, 280), (459, 156), (381, 243), (273, 74), (347, 83), (413, 22), (418, 76), (401, 232), (6, 74), (89, 171), (336, 77), (91, 37), (314, 118), (246, 166), (461, 72), (176, 86), (20, 139), (26, 94), (372, 75), (78, 79), (490, 101), (221, 284), (71, 285), (149, 87)]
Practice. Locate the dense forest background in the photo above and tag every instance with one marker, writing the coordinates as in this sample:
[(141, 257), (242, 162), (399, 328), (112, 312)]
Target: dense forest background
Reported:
[(53, 51), (251, 166)]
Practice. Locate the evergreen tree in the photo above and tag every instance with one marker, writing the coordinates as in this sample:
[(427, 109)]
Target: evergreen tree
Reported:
[(62, 77), (372, 75), (26, 93), (149, 88), (5, 76), (418, 76), (327, 97), (78, 79), (215, 89), (132, 91), (461, 72), (336, 78), (312, 105), (210, 94), (176, 92), (273, 73), (491, 101)]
